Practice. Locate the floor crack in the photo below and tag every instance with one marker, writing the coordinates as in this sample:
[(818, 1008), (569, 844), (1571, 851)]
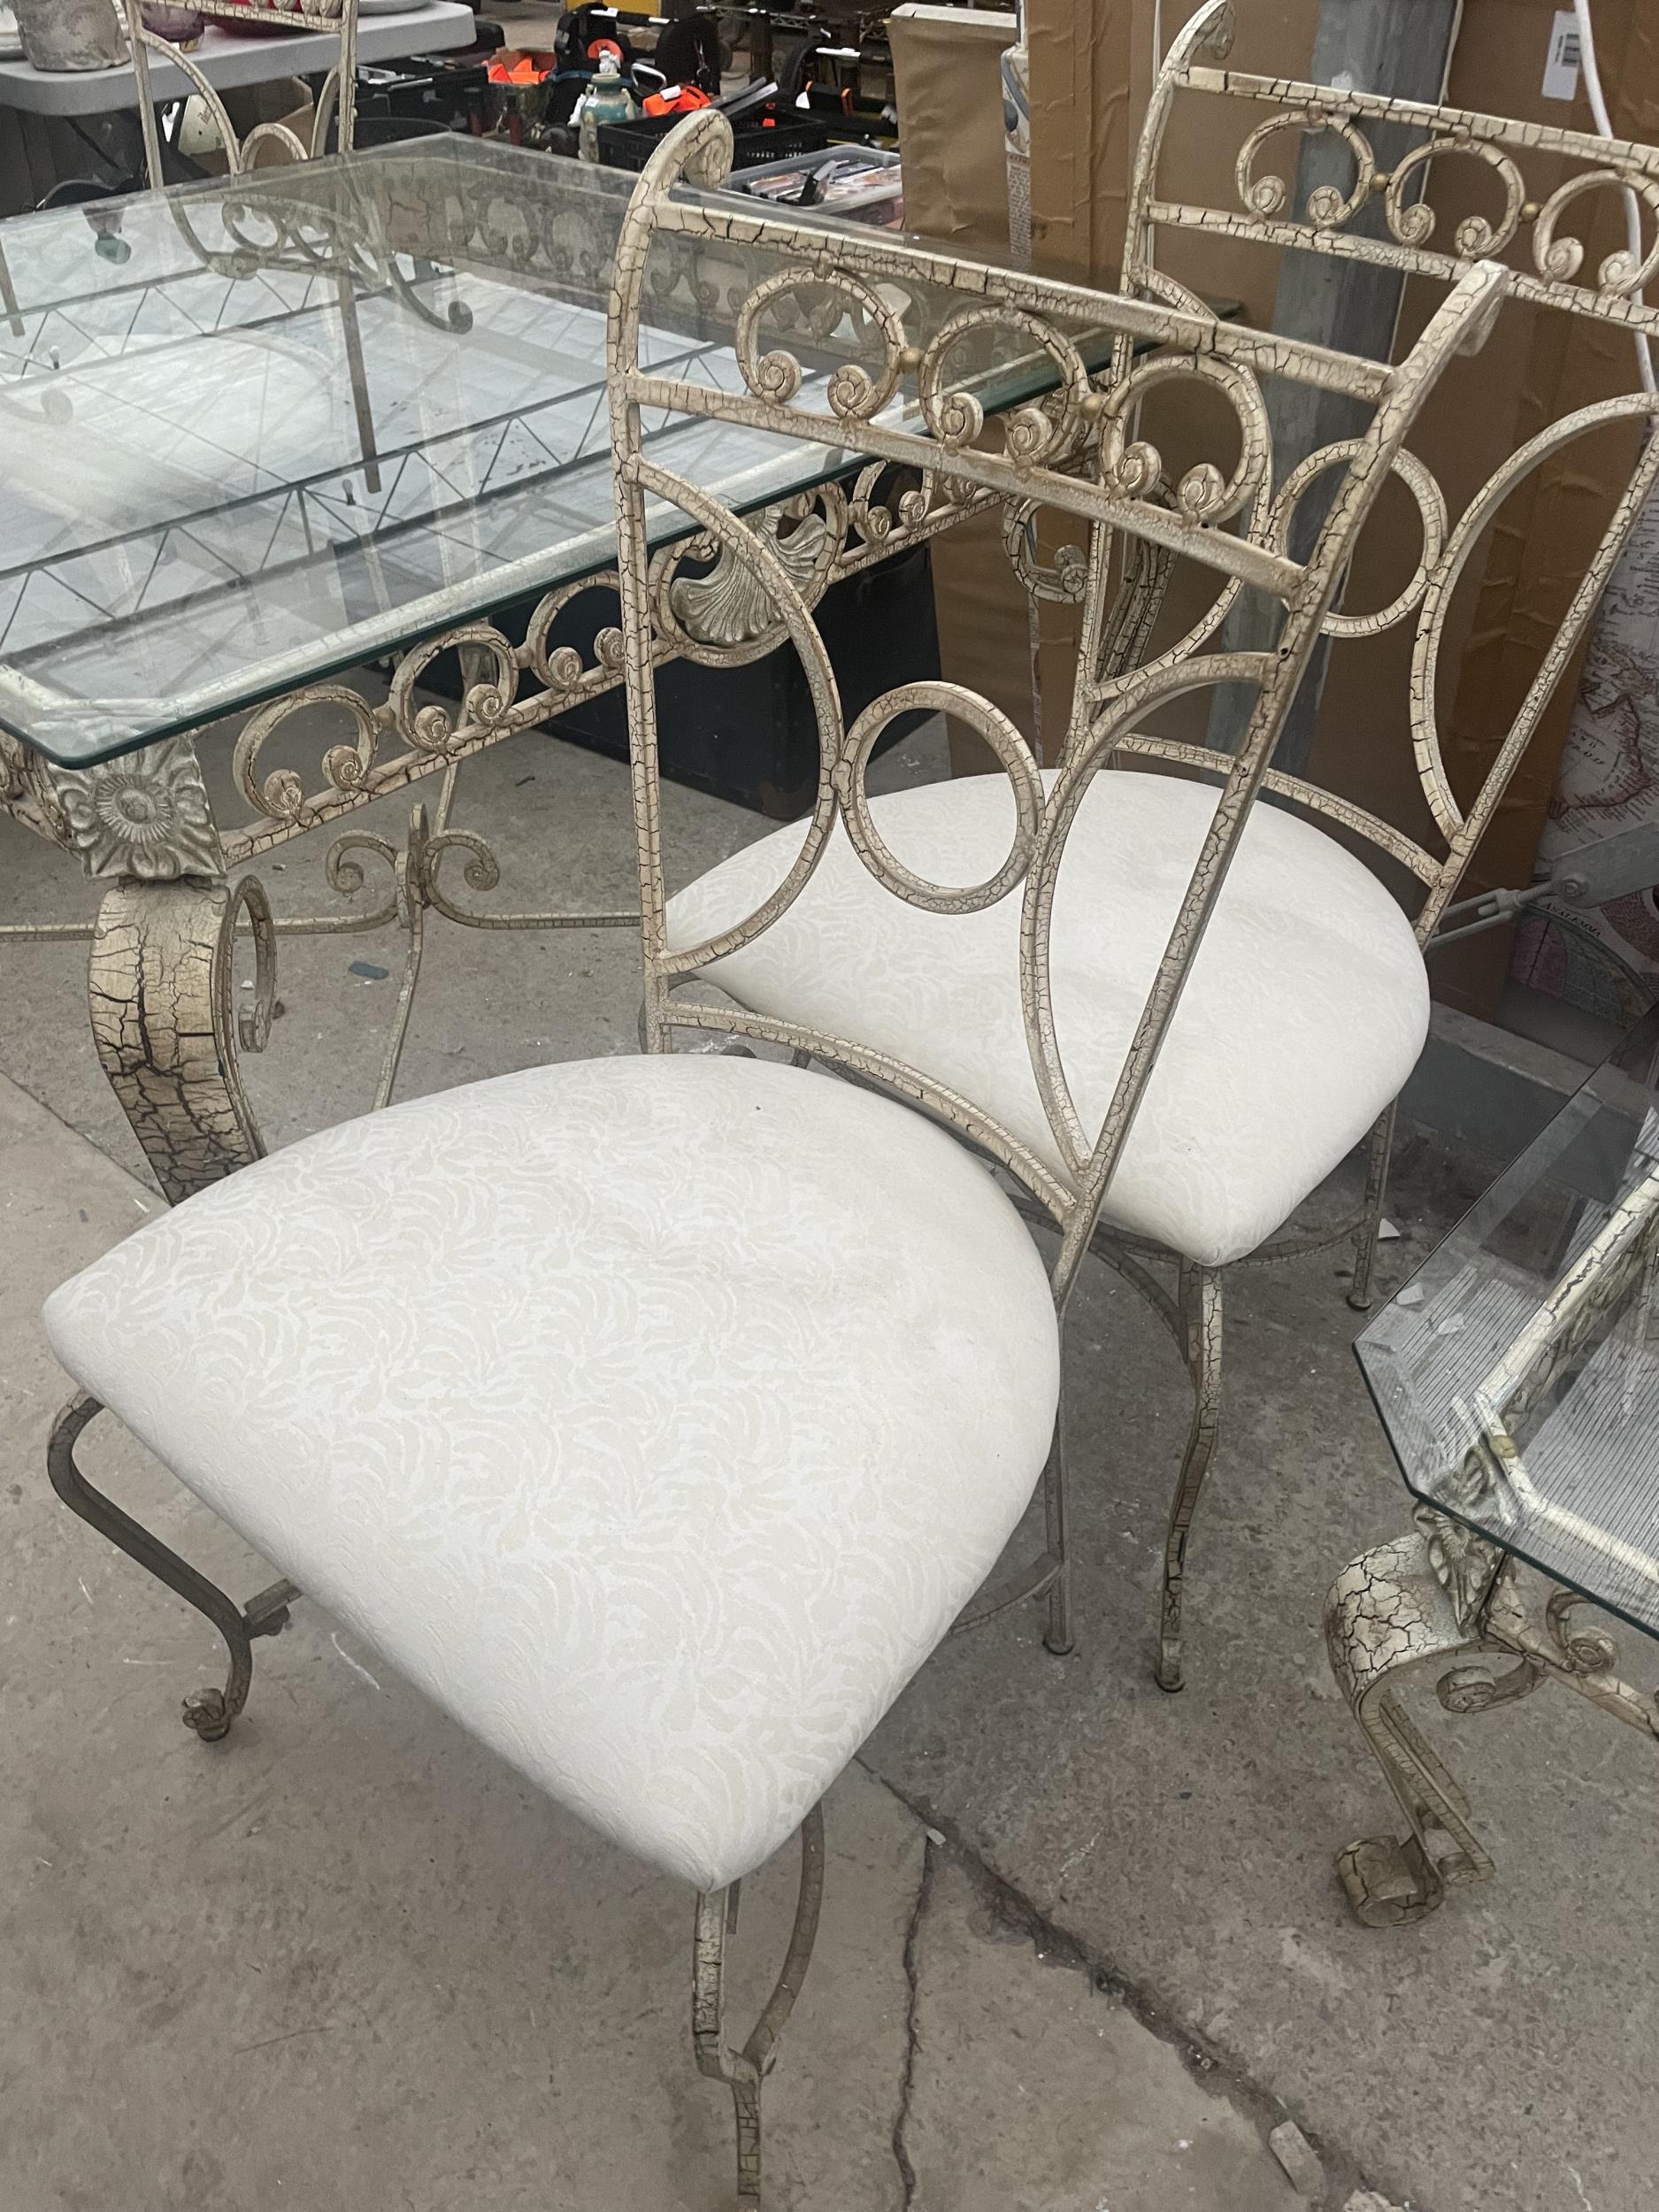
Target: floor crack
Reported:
[(1057, 1945), (906, 2080)]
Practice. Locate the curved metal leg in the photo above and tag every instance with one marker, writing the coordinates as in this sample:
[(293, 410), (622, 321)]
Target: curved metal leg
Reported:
[(1200, 1296), (1388, 1610), (743, 2071), (1382, 1145), (208, 1712), (162, 991)]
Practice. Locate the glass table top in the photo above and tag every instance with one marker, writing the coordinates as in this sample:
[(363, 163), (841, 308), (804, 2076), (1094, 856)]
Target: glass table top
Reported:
[(1517, 1372), (255, 430)]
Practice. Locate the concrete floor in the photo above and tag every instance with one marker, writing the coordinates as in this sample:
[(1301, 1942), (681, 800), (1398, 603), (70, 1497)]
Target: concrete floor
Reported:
[(352, 1960)]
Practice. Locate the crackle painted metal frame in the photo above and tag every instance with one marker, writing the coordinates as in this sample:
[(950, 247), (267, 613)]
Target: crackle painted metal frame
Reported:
[(1449, 1591), (169, 930), (1551, 274), (340, 88), (1073, 453)]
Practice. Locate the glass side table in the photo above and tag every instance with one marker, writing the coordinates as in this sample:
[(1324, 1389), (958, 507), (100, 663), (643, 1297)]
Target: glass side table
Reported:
[(1516, 1375)]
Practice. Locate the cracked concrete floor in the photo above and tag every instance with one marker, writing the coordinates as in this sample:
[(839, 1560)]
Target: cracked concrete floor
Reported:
[(1501, 2057)]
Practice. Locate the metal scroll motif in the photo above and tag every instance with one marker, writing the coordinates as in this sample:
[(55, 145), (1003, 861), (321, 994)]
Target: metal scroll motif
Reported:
[(1399, 1607), (1552, 272), (714, 617), (1065, 579), (1327, 208), (720, 618), (1553, 262), (1075, 454), (1451, 1591)]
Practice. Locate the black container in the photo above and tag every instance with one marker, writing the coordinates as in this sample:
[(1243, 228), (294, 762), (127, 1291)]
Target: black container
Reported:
[(630, 145), (428, 92), (749, 734)]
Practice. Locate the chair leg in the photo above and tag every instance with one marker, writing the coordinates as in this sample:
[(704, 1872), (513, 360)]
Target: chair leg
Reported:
[(743, 2071), (1382, 1142), (208, 1712), (1057, 1637), (1200, 1294)]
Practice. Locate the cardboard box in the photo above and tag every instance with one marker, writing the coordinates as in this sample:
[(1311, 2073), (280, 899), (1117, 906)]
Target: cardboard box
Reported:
[(947, 72)]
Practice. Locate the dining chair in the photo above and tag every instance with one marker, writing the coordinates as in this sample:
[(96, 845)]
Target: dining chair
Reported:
[(1311, 1009), (658, 1416), (1525, 225), (245, 150)]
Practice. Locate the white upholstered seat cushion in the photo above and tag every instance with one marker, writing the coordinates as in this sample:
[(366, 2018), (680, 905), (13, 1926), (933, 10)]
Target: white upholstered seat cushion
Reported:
[(655, 1416), (1303, 1014)]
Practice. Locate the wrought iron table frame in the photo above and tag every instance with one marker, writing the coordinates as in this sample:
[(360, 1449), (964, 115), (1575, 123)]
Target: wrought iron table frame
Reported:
[(168, 1020), (1449, 1591)]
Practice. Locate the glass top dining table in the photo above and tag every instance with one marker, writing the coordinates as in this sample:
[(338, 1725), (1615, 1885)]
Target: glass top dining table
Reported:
[(257, 430)]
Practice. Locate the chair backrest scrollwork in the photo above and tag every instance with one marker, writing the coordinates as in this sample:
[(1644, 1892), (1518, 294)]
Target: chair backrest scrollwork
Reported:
[(244, 152), (1548, 269), (909, 403)]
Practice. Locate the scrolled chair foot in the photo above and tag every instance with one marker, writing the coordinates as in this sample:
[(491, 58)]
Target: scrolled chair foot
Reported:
[(207, 1713)]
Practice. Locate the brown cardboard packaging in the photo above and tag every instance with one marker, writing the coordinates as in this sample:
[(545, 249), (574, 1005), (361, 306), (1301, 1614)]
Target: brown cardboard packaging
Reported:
[(946, 64), (950, 90)]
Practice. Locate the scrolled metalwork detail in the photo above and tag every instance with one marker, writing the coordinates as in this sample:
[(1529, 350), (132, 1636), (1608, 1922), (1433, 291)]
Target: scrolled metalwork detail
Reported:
[(1583, 1650), (1012, 753), (1065, 578), (853, 394), (280, 797), (1328, 208), (1134, 468), (253, 1022), (1471, 1690), (561, 667), (1561, 258), (1032, 435), (435, 729), (345, 873), (481, 872), (1413, 221)]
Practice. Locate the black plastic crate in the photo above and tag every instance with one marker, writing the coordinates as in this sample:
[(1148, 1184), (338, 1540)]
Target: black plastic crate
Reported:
[(630, 145)]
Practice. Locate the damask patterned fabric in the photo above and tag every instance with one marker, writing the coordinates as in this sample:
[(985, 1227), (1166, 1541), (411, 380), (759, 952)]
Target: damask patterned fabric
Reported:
[(1303, 1013), (655, 1416)]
